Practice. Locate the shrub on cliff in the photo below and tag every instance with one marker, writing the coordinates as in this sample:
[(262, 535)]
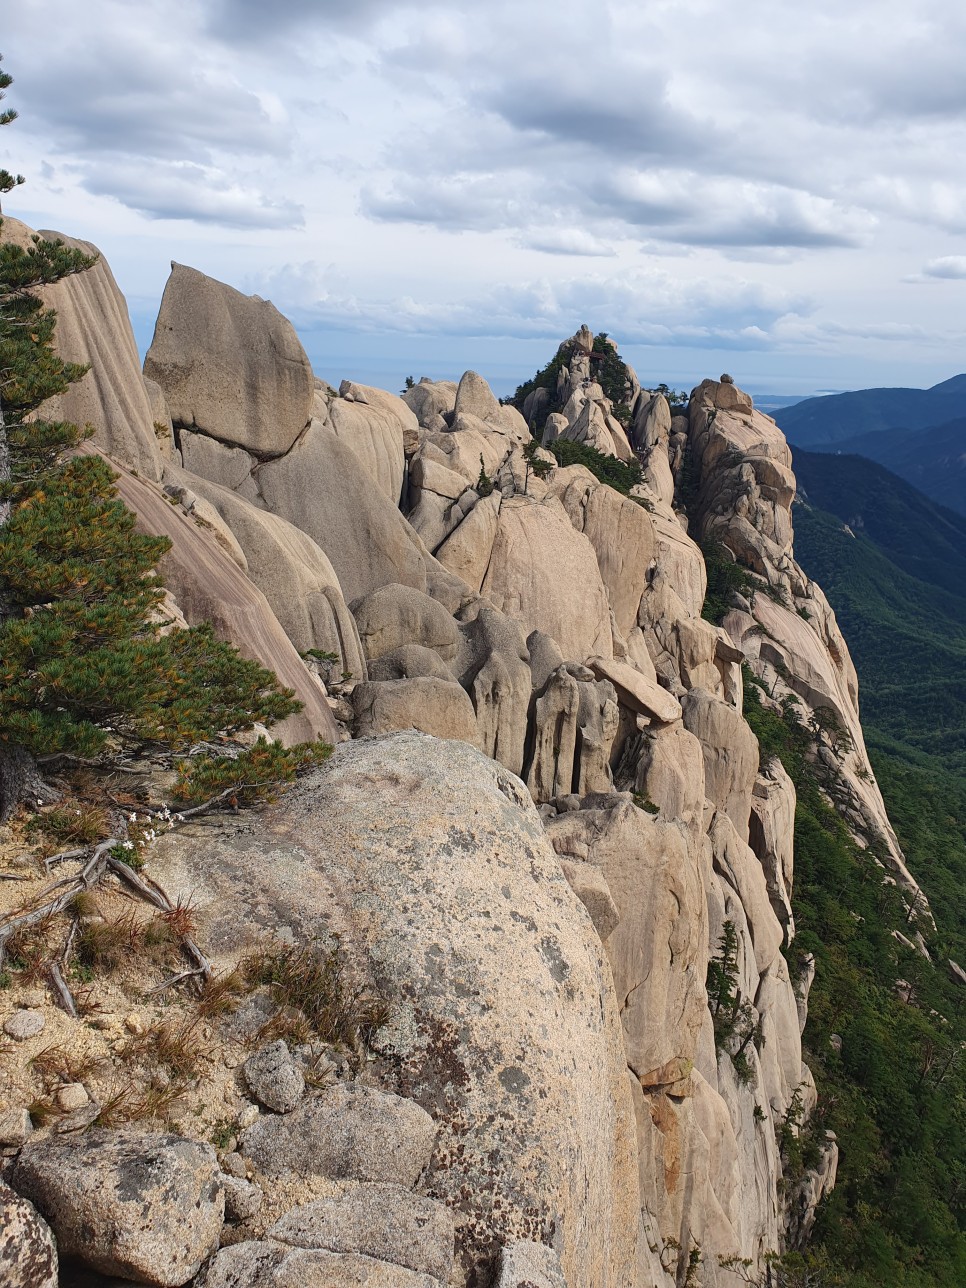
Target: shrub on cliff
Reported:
[(83, 665)]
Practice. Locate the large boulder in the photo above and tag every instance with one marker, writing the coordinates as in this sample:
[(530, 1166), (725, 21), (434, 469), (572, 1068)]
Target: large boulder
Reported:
[(659, 949), (229, 364), (435, 706), (730, 754), (545, 575), (382, 1221), (355, 1133), (432, 864), (323, 488), (147, 1206), (374, 424), (620, 531), (93, 326), (395, 615), (268, 1264)]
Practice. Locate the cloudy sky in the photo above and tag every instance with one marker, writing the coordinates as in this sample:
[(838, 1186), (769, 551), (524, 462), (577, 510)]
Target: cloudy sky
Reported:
[(763, 186)]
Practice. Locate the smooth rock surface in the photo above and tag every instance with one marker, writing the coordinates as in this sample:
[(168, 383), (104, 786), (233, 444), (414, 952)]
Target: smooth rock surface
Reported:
[(229, 364)]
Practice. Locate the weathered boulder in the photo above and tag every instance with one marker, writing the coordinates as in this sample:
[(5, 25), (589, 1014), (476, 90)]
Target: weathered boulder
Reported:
[(395, 615), (466, 551), (351, 1132), (210, 587), (28, 1253), (146, 1206), (659, 949), (229, 364), (432, 864), (621, 533), (556, 710), (292, 572), (274, 1265), (493, 666), (475, 397), (635, 691), (438, 707), (431, 400), (668, 771), (374, 424), (274, 1078), (545, 575), (387, 1222), (410, 662), (93, 327), (772, 837)]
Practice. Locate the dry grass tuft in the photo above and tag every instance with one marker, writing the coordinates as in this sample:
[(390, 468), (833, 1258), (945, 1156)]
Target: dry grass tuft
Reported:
[(61, 1064), (314, 997), (221, 994), (173, 1045), (131, 1103)]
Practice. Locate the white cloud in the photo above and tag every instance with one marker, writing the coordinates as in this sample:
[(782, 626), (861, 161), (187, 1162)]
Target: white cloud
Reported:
[(757, 173), (946, 267)]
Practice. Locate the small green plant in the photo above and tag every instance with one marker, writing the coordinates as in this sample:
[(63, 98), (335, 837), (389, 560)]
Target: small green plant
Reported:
[(221, 1133), (620, 475), (736, 1025), (645, 803), (484, 484)]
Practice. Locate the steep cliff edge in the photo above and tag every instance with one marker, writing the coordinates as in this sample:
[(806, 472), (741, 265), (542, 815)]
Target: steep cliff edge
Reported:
[(581, 922)]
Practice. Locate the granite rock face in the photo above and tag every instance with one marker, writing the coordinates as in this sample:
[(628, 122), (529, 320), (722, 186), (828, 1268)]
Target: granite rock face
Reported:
[(28, 1253), (140, 1205), (432, 862), (229, 364)]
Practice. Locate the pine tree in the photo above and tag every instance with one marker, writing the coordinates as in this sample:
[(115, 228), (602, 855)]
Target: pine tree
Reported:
[(83, 665), (8, 181)]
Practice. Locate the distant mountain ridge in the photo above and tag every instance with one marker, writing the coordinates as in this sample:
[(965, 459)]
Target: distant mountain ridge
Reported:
[(923, 539), (932, 459), (817, 422)]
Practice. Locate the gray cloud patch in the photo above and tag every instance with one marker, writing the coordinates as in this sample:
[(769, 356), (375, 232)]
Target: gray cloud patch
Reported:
[(182, 190), (245, 22)]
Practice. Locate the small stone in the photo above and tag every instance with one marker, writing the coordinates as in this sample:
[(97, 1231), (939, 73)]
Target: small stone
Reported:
[(242, 1200), (234, 1165), (15, 1127), (72, 1096), (248, 1116), (32, 997), (134, 1023), (274, 1078), (23, 1025)]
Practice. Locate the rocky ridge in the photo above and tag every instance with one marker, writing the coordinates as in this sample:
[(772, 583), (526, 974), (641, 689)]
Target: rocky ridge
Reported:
[(539, 900)]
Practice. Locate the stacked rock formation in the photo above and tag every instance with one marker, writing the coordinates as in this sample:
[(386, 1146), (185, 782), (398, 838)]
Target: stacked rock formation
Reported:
[(553, 814)]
